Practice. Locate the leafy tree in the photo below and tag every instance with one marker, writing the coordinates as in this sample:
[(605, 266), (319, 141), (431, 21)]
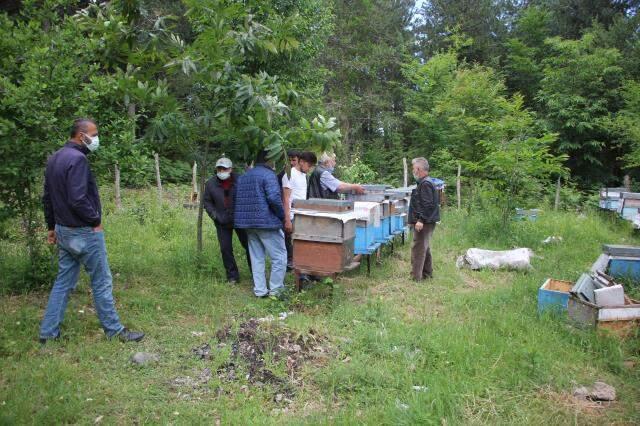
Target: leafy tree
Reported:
[(464, 110), (579, 94)]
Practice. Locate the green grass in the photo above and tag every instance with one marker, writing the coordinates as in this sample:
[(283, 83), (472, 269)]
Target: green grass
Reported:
[(473, 340)]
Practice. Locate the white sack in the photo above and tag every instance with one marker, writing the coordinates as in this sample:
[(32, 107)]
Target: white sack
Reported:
[(476, 258)]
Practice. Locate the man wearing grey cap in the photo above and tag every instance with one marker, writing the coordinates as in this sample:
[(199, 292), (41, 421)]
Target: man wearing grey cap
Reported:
[(219, 201)]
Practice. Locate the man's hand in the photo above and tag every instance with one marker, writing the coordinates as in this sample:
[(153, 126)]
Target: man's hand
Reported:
[(51, 237), (288, 226), (419, 226), (98, 228), (358, 189)]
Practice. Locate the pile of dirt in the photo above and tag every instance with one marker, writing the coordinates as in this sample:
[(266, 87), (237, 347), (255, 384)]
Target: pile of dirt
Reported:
[(252, 345)]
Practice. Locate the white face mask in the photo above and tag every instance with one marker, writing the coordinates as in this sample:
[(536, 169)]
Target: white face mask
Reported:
[(223, 175), (95, 143)]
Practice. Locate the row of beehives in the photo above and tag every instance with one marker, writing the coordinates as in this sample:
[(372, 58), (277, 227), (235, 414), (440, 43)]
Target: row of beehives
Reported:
[(598, 299), (625, 203), (329, 233)]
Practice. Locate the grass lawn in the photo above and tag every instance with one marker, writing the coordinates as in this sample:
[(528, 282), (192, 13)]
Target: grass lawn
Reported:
[(464, 348)]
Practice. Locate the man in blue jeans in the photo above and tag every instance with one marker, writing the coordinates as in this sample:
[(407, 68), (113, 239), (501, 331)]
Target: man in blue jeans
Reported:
[(74, 219), (259, 211)]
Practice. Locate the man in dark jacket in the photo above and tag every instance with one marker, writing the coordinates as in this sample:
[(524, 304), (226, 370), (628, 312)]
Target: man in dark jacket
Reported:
[(424, 213), (74, 219), (219, 198), (259, 211)]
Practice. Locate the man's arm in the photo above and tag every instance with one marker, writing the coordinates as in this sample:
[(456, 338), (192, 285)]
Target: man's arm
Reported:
[(77, 183), (209, 205), (48, 207), (274, 197), (48, 213), (286, 196), (335, 185)]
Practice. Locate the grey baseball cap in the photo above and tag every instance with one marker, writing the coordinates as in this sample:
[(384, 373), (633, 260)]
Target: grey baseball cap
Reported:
[(224, 162)]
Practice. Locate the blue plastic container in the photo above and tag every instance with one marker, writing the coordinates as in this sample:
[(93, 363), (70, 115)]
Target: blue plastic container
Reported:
[(553, 295), (628, 268), (365, 241)]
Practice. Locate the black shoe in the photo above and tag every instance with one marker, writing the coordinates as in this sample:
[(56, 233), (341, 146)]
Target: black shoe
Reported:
[(43, 341), (264, 296), (130, 336)]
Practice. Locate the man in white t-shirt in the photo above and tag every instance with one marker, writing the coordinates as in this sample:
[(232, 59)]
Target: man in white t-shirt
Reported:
[(294, 187)]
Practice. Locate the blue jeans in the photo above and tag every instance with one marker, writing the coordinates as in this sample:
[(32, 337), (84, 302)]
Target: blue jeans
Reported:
[(262, 243), (81, 246)]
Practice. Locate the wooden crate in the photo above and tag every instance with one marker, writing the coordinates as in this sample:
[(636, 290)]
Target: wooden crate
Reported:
[(553, 295), (322, 257), (324, 205), (619, 320)]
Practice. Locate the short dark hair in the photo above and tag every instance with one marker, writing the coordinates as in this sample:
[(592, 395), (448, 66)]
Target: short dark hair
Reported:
[(293, 153), (80, 125), (262, 156), (308, 157)]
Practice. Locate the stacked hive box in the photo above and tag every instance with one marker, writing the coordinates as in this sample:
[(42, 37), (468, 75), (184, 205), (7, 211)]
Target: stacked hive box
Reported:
[(369, 219), (324, 235)]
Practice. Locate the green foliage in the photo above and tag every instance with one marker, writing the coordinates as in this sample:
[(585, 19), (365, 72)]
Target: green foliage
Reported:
[(358, 172), (580, 92), (464, 109)]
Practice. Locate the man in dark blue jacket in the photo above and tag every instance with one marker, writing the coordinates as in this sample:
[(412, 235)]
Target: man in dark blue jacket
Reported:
[(74, 219), (259, 210)]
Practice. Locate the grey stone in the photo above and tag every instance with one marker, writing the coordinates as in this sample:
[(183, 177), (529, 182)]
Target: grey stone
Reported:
[(581, 392), (600, 391), (142, 358)]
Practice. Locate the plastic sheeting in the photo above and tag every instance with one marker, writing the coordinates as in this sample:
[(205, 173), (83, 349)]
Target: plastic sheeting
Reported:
[(476, 258)]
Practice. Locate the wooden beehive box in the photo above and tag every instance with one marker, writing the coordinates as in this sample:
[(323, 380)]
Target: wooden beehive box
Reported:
[(323, 241), (324, 205)]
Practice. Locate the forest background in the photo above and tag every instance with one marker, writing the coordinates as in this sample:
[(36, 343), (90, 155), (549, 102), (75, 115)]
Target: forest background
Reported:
[(518, 94)]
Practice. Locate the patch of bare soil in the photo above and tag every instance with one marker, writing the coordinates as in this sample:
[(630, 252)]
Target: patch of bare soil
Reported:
[(582, 406), (256, 348)]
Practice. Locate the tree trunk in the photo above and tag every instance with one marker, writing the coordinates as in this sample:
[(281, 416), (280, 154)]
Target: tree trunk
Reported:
[(458, 185), (116, 191), (158, 181), (557, 201), (404, 166)]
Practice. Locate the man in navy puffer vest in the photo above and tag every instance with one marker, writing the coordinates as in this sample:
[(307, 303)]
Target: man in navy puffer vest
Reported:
[(259, 211)]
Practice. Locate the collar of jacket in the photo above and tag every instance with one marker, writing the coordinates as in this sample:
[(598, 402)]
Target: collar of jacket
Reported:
[(265, 166), (83, 149)]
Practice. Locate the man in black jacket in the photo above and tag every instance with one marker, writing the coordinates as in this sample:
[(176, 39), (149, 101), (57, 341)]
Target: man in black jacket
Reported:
[(424, 213), (219, 201), (74, 219)]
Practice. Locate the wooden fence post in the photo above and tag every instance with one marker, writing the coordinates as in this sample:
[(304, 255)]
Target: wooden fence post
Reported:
[(158, 181), (404, 166), (194, 182), (118, 200), (458, 185), (627, 183), (557, 202)]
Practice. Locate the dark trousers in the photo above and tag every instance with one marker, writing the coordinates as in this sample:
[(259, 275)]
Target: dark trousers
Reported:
[(288, 243), (421, 265), (225, 240)]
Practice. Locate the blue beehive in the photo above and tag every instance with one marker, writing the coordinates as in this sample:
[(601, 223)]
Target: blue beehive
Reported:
[(365, 238), (553, 295)]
